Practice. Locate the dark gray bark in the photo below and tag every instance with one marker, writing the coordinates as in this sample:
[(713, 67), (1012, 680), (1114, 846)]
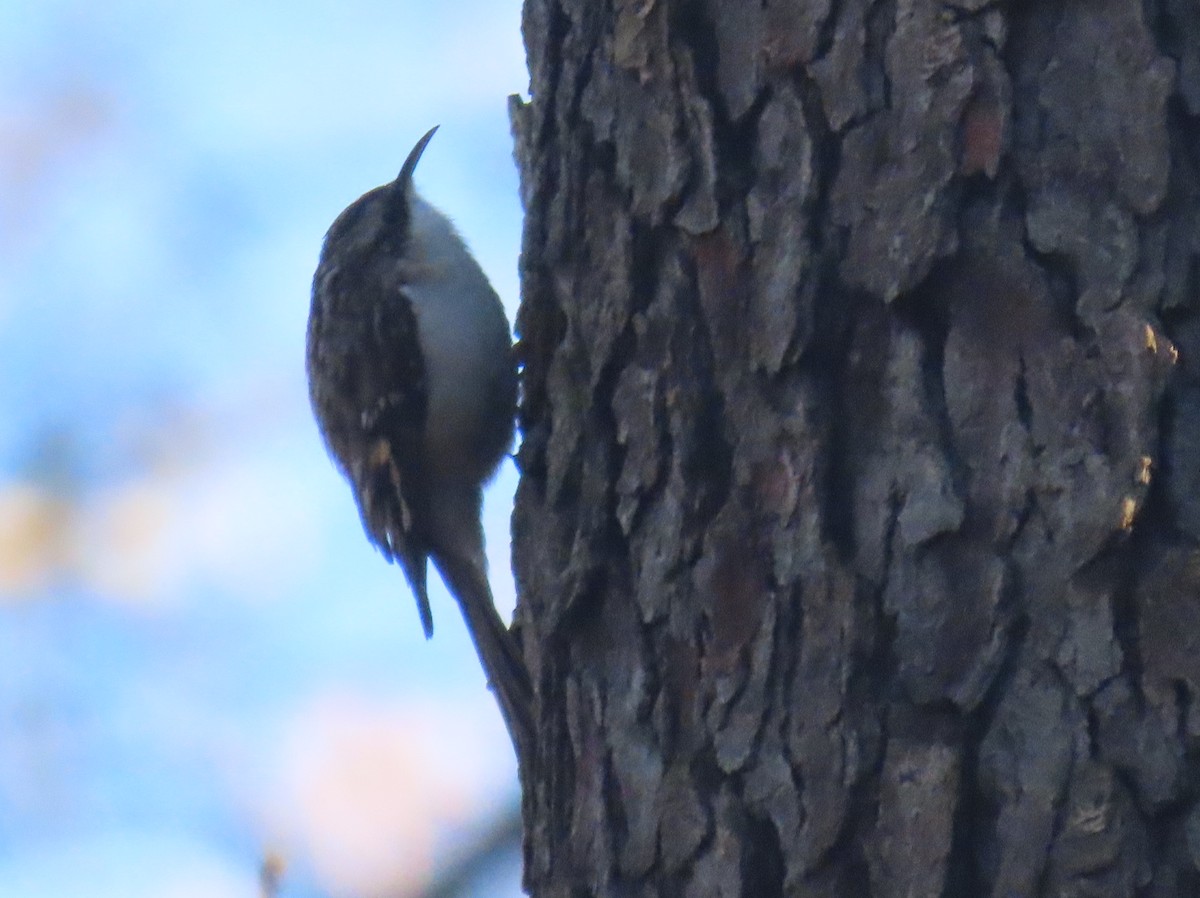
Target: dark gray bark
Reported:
[(856, 537)]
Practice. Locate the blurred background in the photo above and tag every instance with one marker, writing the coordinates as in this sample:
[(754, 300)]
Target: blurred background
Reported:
[(205, 669)]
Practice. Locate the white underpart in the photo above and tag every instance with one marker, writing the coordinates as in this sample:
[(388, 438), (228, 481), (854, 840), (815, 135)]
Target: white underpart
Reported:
[(464, 340)]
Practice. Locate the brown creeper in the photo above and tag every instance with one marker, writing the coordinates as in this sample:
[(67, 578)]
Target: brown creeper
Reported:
[(413, 383)]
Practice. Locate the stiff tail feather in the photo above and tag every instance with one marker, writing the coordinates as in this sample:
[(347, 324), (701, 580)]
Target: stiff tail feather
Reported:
[(497, 648)]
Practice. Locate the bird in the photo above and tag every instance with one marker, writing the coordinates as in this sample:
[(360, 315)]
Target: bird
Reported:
[(413, 383)]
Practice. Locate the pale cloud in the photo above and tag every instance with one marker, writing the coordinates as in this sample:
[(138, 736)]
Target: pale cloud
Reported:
[(367, 789), (236, 522), (33, 539)]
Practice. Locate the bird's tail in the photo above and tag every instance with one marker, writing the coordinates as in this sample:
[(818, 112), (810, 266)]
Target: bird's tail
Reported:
[(497, 648)]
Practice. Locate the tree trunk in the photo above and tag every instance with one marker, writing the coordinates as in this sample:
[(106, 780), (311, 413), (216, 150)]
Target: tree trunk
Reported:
[(856, 535)]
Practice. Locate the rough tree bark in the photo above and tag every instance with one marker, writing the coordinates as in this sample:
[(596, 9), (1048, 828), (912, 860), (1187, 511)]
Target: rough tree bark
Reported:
[(856, 537)]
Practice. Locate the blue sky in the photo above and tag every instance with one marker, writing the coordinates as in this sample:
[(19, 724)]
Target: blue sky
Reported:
[(203, 661)]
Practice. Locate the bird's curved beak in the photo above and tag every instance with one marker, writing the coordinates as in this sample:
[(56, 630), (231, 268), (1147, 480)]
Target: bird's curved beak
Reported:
[(404, 179)]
